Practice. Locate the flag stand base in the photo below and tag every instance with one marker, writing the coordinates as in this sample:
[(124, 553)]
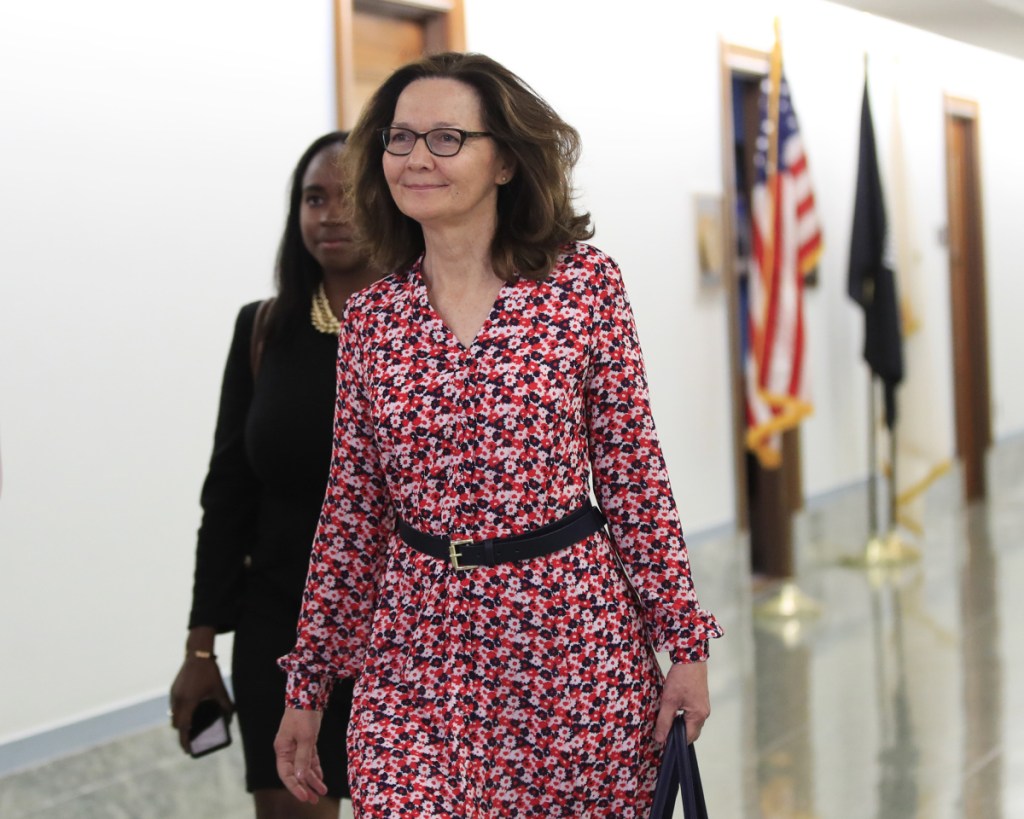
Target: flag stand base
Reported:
[(788, 603), (883, 552)]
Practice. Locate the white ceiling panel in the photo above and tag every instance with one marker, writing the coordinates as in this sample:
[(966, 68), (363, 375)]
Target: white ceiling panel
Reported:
[(997, 25)]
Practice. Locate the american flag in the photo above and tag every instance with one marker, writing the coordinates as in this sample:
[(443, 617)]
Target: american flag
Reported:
[(786, 239)]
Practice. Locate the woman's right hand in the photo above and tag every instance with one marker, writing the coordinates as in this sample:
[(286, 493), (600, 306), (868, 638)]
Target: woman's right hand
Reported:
[(198, 679), (298, 763)]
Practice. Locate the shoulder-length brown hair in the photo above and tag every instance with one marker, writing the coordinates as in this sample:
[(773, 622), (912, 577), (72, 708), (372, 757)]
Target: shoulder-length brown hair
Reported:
[(536, 217)]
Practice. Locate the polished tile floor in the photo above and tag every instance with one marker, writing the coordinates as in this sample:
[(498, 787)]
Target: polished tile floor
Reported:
[(903, 698)]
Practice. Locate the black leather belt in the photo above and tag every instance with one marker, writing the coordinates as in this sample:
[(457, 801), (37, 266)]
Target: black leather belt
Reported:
[(469, 554)]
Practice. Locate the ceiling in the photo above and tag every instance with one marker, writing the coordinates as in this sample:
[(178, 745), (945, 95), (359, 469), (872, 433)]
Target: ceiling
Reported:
[(997, 25)]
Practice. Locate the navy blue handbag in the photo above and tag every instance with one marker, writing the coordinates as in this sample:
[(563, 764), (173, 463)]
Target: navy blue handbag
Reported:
[(679, 774)]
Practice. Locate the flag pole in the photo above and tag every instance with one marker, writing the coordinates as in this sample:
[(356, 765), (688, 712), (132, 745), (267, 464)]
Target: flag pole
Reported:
[(897, 550), (788, 606), (873, 527), (874, 553), (892, 479), (890, 550)]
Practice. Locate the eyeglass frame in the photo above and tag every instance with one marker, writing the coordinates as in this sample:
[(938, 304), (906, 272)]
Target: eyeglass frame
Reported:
[(463, 136)]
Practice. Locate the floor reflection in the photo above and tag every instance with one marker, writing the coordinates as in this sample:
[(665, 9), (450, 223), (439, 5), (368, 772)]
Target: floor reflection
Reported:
[(893, 704), (898, 755), (785, 758), (982, 670), (903, 700)]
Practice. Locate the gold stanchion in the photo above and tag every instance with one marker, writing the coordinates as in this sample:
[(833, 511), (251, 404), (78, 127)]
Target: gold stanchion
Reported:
[(788, 603), (884, 552), (788, 613)]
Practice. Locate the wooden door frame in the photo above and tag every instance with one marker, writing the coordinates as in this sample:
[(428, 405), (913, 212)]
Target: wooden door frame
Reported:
[(444, 29), (735, 59), (969, 333)]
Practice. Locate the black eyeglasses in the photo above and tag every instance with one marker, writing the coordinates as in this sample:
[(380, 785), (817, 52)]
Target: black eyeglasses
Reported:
[(439, 141)]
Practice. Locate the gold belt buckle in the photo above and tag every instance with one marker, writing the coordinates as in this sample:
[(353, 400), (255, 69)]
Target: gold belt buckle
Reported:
[(454, 554)]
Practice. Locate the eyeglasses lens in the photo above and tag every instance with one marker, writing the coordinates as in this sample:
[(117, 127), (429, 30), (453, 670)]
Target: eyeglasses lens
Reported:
[(440, 141)]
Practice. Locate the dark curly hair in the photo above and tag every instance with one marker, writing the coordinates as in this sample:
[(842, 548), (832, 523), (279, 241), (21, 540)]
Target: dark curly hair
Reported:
[(536, 217), (297, 274)]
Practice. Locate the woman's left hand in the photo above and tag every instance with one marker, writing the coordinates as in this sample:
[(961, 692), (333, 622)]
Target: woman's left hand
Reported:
[(686, 690), (298, 764)]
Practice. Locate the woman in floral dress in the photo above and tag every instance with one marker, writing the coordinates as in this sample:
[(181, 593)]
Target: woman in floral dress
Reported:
[(488, 383)]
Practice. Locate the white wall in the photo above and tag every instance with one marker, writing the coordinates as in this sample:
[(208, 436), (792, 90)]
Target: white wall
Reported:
[(145, 160), (145, 151)]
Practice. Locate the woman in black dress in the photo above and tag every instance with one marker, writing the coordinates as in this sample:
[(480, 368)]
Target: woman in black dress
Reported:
[(265, 485)]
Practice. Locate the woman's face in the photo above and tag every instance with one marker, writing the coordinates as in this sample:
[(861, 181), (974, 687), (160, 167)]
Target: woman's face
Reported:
[(440, 191), (324, 216)]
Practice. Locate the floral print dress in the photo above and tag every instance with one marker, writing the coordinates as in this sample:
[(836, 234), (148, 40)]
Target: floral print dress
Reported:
[(526, 689)]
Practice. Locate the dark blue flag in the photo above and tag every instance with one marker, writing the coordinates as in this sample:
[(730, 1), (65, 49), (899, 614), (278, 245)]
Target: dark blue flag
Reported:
[(872, 283)]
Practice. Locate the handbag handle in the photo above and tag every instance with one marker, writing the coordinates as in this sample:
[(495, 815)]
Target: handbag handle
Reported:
[(679, 774)]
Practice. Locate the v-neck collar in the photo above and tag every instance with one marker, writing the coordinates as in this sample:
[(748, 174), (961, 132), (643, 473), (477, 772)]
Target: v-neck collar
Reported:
[(422, 297)]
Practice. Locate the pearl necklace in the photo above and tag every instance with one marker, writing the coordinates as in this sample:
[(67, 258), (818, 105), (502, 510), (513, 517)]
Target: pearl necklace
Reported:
[(321, 315)]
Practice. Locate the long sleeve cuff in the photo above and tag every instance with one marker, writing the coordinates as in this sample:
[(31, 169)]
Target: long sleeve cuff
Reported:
[(691, 643), (306, 692)]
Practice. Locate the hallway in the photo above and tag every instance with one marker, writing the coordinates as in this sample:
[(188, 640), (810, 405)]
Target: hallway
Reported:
[(905, 698)]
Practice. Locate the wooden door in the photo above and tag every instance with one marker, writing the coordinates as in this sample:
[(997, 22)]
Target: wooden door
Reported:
[(374, 37), (967, 294)]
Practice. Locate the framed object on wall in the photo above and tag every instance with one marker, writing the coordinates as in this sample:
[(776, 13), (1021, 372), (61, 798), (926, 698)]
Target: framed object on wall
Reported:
[(708, 213)]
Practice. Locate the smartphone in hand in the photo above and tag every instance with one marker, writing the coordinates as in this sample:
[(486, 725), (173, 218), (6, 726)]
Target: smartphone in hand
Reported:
[(209, 729)]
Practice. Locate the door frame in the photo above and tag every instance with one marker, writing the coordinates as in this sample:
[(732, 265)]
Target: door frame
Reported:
[(444, 29), (743, 60), (968, 293)]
